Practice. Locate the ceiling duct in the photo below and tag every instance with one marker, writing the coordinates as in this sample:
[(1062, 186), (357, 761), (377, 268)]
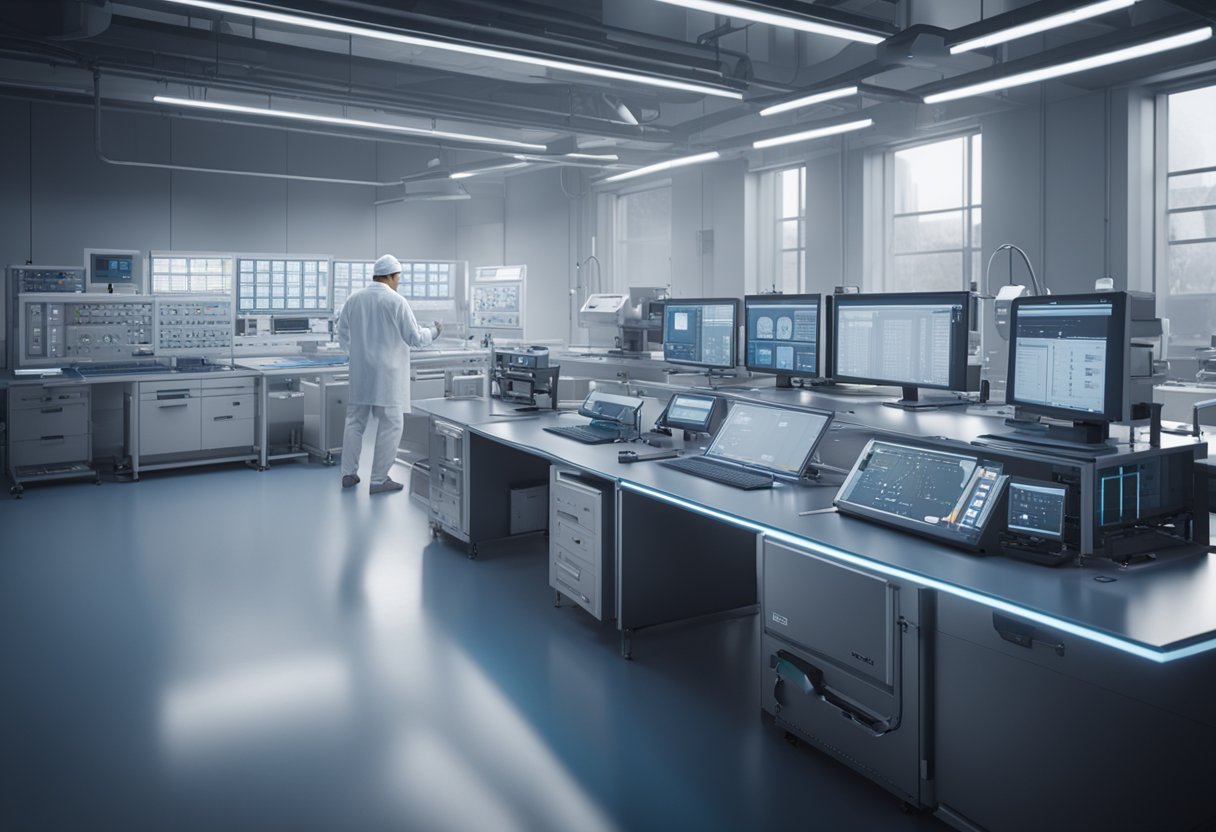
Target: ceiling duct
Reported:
[(56, 19)]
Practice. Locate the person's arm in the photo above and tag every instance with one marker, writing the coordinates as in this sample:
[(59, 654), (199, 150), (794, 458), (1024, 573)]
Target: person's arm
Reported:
[(411, 332), (344, 331)]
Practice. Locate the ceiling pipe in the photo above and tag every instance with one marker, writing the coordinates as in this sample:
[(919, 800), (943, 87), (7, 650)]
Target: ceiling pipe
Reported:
[(194, 169)]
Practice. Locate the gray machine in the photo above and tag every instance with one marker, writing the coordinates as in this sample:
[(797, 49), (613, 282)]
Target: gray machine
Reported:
[(523, 375), (630, 324)]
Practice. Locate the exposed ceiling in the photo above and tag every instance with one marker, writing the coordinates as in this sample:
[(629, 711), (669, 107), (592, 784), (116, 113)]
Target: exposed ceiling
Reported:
[(142, 48)]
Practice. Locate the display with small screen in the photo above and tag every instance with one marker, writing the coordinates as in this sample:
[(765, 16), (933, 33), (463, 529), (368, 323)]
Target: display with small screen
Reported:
[(780, 440), (1036, 509), (701, 332), (691, 412), (113, 268), (608, 407), (782, 334)]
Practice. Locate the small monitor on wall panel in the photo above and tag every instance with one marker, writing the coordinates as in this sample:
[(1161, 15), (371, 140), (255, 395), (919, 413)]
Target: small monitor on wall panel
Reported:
[(120, 270), (909, 340), (701, 332), (782, 335), (1067, 356)]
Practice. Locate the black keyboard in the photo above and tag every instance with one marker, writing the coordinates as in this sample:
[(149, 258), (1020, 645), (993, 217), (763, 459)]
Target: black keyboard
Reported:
[(587, 434), (708, 469)]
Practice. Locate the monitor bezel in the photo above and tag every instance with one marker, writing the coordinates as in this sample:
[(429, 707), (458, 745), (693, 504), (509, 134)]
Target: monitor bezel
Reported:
[(785, 299), (828, 415), (1041, 485), (958, 345), (734, 341), (1114, 408), (679, 424)]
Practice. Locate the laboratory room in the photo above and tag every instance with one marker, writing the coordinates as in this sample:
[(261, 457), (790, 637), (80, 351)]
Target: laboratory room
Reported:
[(607, 415)]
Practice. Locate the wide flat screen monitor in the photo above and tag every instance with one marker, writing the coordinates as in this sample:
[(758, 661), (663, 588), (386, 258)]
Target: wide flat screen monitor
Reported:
[(701, 332), (1067, 356), (781, 335), (910, 340), (780, 440)]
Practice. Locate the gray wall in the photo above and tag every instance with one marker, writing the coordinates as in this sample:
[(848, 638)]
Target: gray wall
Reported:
[(57, 199)]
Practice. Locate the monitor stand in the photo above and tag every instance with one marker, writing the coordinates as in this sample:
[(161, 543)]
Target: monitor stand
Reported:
[(912, 401), (1091, 438)]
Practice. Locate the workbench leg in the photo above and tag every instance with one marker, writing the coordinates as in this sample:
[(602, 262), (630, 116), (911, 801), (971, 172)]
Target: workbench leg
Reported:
[(627, 644)]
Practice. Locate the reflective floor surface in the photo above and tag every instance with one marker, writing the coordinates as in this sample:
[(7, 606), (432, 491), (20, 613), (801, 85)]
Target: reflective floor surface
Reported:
[(227, 649)]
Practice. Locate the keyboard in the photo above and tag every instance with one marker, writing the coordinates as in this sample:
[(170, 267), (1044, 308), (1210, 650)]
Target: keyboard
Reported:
[(708, 469), (587, 434)]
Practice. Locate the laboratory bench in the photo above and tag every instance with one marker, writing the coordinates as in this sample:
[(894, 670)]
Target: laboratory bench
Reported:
[(1001, 694)]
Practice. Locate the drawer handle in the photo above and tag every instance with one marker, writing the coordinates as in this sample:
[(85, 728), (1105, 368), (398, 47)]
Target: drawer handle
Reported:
[(1022, 634), (221, 418), (52, 410), (173, 404), (575, 573), (809, 680), (58, 437)]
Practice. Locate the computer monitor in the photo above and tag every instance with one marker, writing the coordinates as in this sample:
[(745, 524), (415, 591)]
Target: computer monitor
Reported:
[(777, 439), (781, 336), (910, 340), (701, 332), (120, 271), (1068, 356)]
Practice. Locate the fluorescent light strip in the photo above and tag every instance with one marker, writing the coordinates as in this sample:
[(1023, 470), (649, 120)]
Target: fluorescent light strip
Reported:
[(465, 174), (661, 166), (1097, 636), (344, 122), (481, 51), (818, 133), (1043, 24), (785, 21), (594, 157), (1033, 76), (808, 100)]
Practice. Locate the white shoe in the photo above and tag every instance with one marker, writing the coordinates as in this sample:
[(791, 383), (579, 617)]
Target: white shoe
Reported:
[(389, 484)]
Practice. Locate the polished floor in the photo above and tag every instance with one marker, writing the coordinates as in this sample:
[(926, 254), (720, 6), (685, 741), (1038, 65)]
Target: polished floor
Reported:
[(228, 649)]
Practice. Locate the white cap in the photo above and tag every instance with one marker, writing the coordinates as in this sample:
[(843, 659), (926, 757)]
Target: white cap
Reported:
[(388, 264)]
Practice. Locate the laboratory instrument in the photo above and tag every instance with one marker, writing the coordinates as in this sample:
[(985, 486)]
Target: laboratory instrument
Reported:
[(114, 271), (613, 417)]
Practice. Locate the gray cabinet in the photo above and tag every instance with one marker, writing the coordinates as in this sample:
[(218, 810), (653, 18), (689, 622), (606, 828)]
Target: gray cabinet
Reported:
[(170, 418), (843, 665), (449, 478), (325, 403), (196, 419), (581, 540), (48, 427)]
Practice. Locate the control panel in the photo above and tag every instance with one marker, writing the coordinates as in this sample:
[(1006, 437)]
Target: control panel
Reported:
[(498, 306), (57, 330), (26, 279), (193, 325)]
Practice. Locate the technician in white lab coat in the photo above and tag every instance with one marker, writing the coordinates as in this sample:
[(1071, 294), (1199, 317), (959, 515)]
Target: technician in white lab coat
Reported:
[(376, 329)]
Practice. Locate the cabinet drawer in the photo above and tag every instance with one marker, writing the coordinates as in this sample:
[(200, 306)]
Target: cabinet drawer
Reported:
[(33, 398), (227, 408), (49, 451), (573, 578), (151, 390), (169, 426), (447, 479), (446, 509), (71, 419), (227, 432), (578, 502), (226, 386), (576, 540), (447, 444)]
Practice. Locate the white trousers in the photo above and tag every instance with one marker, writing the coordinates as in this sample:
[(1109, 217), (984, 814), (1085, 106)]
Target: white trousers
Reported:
[(388, 437)]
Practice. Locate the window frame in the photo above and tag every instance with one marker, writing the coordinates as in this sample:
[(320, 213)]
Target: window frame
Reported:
[(620, 238), (779, 222), (970, 247)]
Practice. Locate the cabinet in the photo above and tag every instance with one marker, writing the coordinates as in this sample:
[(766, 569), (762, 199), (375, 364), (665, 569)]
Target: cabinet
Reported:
[(48, 433), (581, 540), (449, 472), (843, 665), (325, 403), (195, 420)]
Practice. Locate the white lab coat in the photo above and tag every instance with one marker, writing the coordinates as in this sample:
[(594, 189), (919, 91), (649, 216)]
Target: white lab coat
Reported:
[(376, 329)]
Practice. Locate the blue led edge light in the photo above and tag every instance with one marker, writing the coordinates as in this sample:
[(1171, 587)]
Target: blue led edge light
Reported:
[(1096, 636)]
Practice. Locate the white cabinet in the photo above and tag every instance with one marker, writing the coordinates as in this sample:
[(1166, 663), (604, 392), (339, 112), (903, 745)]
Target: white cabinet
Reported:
[(196, 416), (48, 426), (580, 540)]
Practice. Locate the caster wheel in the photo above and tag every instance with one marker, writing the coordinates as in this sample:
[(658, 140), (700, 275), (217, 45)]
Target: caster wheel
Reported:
[(473, 553)]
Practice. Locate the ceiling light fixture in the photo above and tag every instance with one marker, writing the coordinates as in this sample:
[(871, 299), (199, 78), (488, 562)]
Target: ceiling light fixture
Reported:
[(786, 20), (594, 157), (808, 100), (451, 46), (1115, 56), (1042, 24), (662, 166), (817, 133), (490, 168), (344, 122)]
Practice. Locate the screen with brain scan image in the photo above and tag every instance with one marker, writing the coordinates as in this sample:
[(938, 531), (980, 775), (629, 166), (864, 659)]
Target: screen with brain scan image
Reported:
[(782, 334)]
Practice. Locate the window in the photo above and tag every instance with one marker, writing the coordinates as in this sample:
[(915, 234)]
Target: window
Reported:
[(1190, 215), (933, 232), (790, 238), (643, 239)]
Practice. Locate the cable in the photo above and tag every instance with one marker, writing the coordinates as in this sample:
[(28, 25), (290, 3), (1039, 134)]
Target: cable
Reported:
[(1038, 290)]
